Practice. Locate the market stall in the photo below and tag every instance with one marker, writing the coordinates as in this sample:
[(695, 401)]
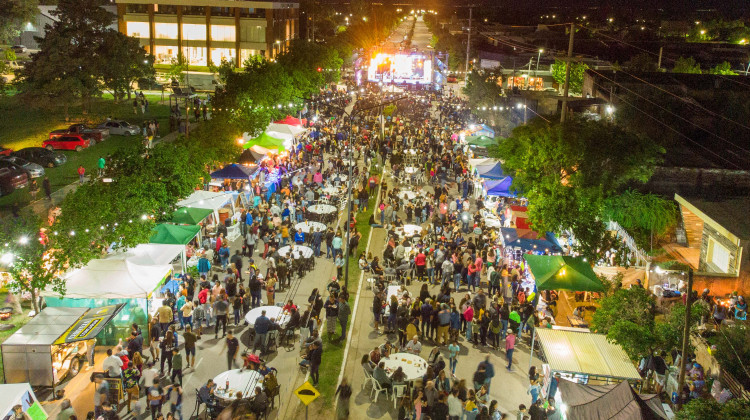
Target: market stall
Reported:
[(54, 345), (220, 203), (289, 120), (192, 216), (558, 272), (499, 188), (152, 254), (20, 394), (618, 401), (492, 170), (294, 130), (106, 282), (266, 141)]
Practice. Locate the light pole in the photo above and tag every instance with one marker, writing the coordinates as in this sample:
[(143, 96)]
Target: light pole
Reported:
[(538, 56)]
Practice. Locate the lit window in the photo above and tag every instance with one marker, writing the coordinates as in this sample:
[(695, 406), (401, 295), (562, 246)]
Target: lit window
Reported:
[(223, 33), (138, 29), (223, 54), (165, 30), (193, 32)]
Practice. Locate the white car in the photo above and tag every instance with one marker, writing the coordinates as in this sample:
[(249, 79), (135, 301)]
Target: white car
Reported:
[(120, 128)]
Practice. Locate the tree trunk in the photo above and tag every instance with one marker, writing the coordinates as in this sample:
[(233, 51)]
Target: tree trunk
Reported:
[(34, 301), (15, 301)]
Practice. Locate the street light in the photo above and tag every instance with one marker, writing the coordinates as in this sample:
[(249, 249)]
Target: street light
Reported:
[(538, 56)]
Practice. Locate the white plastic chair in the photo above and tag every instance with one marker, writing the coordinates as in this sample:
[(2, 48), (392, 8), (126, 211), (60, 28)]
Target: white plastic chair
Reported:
[(368, 378), (377, 389), (398, 392)]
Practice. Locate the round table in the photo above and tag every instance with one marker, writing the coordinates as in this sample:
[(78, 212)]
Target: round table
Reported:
[(243, 381), (309, 227), (274, 312), (411, 230), (304, 251), (407, 195), (321, 208), (331, 190), (411, 170), (414, 367)]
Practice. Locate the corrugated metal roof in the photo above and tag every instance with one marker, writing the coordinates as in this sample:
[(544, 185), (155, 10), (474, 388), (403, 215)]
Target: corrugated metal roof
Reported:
[(588, 353)]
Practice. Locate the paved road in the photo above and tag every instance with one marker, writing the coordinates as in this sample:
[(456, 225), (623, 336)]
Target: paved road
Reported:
[(422, 36)]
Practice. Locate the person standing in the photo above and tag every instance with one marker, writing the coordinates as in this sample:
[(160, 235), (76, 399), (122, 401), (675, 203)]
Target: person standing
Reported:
[(344, 392), (510, 345), (190, 338), (332, 313), (165, 316), (221, 308), (176, 365), (344, 312), (316, 354), (489, 372), (47, 188), (101, 392), (262, 325), (453, 350), (81, 173), (232, 345)]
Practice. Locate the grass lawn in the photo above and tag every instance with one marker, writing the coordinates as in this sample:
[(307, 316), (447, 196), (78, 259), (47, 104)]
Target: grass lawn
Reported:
[(19, 320), (333, 350), (22, 127)]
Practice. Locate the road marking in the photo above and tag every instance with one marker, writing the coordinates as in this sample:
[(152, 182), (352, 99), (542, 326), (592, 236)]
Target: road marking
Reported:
[(195, 368)]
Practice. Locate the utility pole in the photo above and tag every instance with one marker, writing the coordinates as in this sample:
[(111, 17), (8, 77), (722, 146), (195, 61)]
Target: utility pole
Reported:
[(658, 64), (567, 74), (468, 45), (685, 338)]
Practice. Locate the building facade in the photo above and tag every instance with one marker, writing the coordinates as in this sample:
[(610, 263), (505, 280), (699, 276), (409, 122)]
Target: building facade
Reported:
[(209, 31)]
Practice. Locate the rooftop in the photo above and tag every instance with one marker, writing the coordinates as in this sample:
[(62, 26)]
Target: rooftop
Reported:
[(731, 213)]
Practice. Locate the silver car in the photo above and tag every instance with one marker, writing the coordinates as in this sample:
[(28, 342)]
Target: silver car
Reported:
[(34, 170), (120, 128)]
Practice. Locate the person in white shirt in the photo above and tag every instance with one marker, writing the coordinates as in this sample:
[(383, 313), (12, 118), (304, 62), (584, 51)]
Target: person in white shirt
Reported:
[(112, 365), (414, 346), (149, 375)]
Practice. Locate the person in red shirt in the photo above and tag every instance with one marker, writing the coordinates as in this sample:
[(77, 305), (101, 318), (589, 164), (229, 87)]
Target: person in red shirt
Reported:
[(420, 261), (81, 173)]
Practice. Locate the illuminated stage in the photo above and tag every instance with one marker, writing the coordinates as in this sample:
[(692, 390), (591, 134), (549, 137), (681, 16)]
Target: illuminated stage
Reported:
[(401, 68)]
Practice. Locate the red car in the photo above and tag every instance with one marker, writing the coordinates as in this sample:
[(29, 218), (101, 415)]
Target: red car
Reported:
[(5, 151), (75, 142)]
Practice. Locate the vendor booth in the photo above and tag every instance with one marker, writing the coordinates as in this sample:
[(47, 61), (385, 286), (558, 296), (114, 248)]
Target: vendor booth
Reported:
[(491, 170), (234, 171), (220, 203), (166, 233), (499, 188), (584, 357), (190, 216), (54, 345), (289, 120), (294, 130), (20, 394), (152, 254), (556, 272), (111, 281), (266, 141), (619, 402), (480, 141)]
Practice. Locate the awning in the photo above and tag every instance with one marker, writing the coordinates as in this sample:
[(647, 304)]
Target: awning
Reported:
[(499, 188), (556, 272), (90, 324), (267, 142), (190, 215), (112, 279), (149, 254), (585, 353), (233, 171), (609, 402), (206, 200), (491, 171), (285, 128), (166, 233)]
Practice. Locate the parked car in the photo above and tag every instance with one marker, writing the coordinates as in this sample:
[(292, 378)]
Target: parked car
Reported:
[(75, 142), (4, 151), (13, 65), (96, 134), (41, 156), (18, 49), (12, 179), (34, 170), (451, 79), (120, 128)]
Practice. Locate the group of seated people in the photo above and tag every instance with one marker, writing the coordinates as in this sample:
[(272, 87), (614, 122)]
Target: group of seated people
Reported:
[(256, 404)]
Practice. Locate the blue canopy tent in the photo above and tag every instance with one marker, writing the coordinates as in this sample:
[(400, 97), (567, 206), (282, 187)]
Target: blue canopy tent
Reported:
[(491, 171), (485, 130), (499, 188), (172, 285), (233, 171), (534, 245)]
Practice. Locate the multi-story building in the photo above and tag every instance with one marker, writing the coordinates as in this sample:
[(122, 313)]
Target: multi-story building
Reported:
[(207, 31)]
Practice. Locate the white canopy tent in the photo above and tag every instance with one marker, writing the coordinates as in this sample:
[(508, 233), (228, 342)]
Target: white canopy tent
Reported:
[(284, 129), (473, 163), (151, 254), (112, 278), (15, 394), (208, 200)]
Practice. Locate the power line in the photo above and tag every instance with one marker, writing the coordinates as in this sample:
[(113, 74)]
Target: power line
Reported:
[(670, 112), (673, 129)]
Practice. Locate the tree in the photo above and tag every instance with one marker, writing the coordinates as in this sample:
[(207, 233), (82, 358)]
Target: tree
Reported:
[(724, 68), (128, 63), (28, 259), (13, 15), (733, 352), (177, 68), (686, 65), (567, 172), (643, 215), (643, 62), (577, 70), (78, 52), (482, 88), (708, 408), (627, 318)]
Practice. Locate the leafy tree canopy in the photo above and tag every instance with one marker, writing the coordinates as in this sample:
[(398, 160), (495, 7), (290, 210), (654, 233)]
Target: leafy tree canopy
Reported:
[(13, 15), (686, 65), (577, 71), (636, 210), (708, 408), (482, 88), (724, 68)]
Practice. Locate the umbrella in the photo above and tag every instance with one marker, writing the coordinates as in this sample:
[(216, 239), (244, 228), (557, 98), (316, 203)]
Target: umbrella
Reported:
[(189, 215), (555, 272), (232, 171), (267, 142)]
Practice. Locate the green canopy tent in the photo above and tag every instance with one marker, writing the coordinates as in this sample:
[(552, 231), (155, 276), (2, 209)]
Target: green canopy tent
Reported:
[(267, 142), (481, 141), (190, 215), (555, 272), (165, 233)]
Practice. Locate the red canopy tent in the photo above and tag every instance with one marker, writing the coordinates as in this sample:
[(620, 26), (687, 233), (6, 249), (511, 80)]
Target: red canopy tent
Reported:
[(289, 120)]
